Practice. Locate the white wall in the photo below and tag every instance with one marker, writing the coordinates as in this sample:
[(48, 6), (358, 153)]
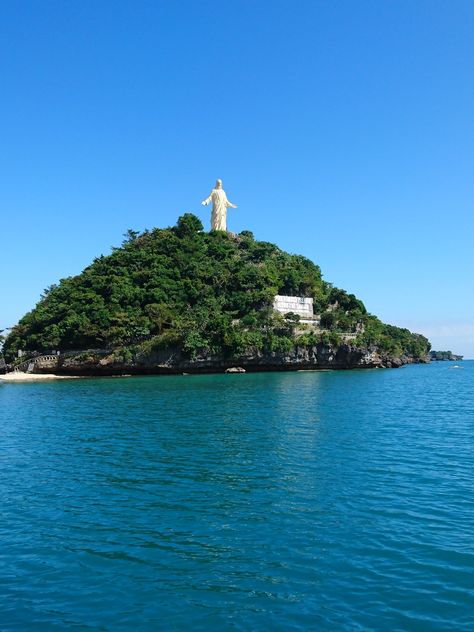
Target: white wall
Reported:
[(296, 304)]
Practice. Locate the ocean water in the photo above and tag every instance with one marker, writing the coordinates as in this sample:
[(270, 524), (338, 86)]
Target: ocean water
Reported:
[(273, 501)]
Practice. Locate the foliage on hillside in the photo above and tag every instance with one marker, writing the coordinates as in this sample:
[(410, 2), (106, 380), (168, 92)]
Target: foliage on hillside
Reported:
[(182, 286)]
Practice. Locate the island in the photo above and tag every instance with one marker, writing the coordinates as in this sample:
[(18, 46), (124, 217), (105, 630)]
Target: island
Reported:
[(182, 300), (444, 355)]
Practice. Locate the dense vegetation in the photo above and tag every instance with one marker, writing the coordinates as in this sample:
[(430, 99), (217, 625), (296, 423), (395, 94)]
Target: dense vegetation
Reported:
[(184, 287)]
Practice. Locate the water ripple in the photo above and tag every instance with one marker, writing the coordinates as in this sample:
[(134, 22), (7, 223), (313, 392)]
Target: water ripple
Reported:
[(297, 501)]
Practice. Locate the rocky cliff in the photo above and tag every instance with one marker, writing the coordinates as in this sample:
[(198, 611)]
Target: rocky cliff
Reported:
[(173, 361)]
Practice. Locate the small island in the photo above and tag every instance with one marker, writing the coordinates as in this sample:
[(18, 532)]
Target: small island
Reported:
[(437, 356), (179, 299)]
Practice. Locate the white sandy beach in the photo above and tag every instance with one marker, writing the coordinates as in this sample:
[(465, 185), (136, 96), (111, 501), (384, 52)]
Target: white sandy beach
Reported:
[(18, 376)]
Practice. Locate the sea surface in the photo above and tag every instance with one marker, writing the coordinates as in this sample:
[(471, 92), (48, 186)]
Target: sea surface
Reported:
[(275, 501)]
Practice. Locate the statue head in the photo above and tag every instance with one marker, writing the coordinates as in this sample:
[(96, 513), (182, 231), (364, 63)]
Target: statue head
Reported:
[(218, 183)]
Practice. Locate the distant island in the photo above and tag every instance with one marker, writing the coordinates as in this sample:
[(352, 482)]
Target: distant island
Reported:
[(444, 355), (180, 299)]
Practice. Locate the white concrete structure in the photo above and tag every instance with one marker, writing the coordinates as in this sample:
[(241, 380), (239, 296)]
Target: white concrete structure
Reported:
[(297, 304), (220, 204)]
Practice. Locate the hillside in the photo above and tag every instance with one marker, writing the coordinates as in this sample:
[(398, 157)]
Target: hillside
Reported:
[(199, 292)]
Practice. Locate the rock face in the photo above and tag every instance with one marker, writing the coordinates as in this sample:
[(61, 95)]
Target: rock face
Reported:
[(172, 361)]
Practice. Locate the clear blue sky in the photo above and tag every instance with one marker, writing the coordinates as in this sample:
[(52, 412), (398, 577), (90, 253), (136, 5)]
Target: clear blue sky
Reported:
[(343, 130)]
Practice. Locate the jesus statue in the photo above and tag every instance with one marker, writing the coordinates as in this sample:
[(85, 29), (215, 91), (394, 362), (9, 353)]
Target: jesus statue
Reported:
[(220, 204)]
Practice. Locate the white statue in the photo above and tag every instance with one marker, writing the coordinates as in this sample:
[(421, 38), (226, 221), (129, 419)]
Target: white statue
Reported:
[(220, 204)]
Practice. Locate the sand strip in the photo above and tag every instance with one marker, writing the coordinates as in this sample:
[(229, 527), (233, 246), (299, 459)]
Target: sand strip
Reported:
[(18, 376)]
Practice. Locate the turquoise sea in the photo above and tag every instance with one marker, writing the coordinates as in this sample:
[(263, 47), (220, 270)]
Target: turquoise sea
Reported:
[(272, 501)]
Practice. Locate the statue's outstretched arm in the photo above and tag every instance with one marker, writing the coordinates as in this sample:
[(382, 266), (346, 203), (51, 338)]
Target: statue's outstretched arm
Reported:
[(229, 204), (207, 200)]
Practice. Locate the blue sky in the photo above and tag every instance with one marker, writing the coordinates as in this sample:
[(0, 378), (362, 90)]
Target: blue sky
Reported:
[(343, 130)]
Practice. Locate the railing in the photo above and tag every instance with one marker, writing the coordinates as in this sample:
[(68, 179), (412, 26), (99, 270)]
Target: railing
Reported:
[(22, 367), (27, 364), (46, 358)]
